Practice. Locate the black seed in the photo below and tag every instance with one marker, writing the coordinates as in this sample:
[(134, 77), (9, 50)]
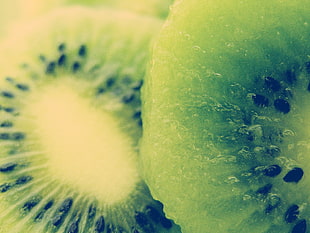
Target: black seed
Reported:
[(272, 84), (265, 189), (101, 90), (137, 114), (290, 76), (7, 94), (260, 100), (110, 228), (58, 219), (9, 109), (300, 227), (251, 136), (22, 87), (66, 205), (291, 213), (74, 226), (274, 202), (61, 47), (110, 82), (82, 51), (166, 223), (76, 66), (128, 98), (49, 205), (153, 213), (294, 175), (30, 204), (282, 105), (140, 122), (50, 68), (141, 219), (18, 136), (4, 136), (8, 167), (23, 180), (272, 170), (308, 67), (62, 60), (5, 187), (99, 225), (62, 212), (40, 215), (134, 230), (92, 211), (137, 85)]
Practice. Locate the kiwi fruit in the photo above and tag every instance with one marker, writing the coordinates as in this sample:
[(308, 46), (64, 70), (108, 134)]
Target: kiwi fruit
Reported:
[(226, 142), (70, 124)]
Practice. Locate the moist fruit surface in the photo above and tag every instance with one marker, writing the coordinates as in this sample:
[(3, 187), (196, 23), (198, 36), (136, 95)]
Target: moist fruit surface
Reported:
[(226, 106)]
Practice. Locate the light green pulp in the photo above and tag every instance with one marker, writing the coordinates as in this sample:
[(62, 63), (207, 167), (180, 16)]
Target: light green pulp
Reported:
[(203, 71)]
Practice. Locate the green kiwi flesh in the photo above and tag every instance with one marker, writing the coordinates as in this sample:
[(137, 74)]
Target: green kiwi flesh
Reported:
[(70, 124), (226, 106)]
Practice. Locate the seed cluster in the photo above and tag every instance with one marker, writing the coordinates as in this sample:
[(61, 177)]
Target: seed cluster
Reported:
[(277, 94), (280, 104)]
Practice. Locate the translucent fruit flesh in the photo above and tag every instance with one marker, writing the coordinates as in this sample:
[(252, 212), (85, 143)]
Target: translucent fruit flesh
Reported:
[(225, 106)]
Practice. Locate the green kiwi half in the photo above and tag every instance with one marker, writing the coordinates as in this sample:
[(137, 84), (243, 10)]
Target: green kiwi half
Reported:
[(226, 107), (70, 124)]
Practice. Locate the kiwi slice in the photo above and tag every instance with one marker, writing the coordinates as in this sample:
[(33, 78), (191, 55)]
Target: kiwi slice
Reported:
[(70, 124), (225, 107)]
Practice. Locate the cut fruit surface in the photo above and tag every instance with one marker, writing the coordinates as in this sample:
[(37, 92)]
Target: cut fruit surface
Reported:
[(226, 106), (70, 125)]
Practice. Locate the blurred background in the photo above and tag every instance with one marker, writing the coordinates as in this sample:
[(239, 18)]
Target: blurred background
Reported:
[(15, 11)]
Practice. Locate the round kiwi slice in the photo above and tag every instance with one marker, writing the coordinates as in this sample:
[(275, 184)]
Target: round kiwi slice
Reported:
[(225, 106), (70, 124)]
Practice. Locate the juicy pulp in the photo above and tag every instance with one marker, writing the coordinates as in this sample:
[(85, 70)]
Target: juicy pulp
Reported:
[(209, 65)]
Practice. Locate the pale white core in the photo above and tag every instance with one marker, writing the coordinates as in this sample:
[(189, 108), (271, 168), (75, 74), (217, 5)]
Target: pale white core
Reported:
[(84, 145)]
